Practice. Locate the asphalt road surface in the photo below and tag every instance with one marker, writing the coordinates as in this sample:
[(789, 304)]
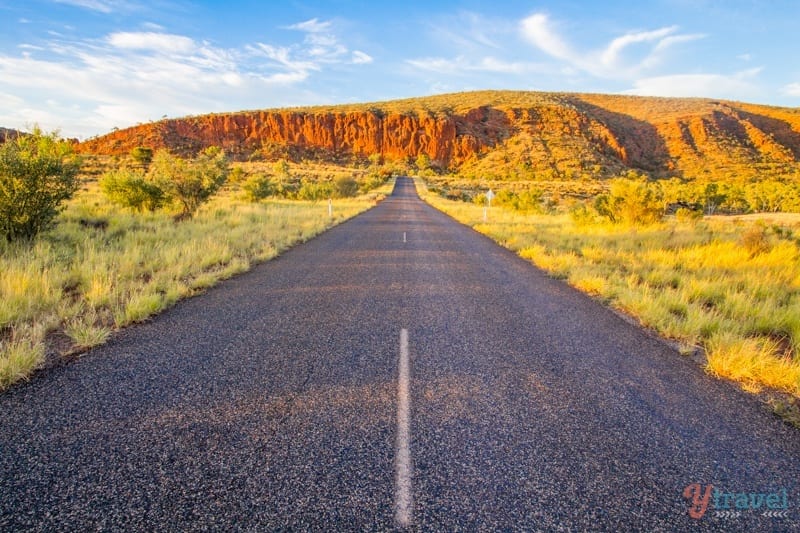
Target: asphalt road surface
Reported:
[(399, 371)]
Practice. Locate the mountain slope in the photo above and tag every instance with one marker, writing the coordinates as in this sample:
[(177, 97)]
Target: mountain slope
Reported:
[(504, 134)]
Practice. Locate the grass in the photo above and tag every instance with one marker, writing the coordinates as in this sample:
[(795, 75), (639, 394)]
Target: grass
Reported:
[(101, 268), (728, 285)]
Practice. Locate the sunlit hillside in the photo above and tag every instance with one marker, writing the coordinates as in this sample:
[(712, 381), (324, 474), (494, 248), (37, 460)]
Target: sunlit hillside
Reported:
[(506, 135)]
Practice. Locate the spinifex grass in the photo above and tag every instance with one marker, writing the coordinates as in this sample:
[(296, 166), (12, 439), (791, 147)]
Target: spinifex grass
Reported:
[(101, 268), (701, 283)]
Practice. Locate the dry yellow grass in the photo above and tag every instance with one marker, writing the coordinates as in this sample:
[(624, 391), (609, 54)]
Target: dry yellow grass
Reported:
[(102, 269), (700, 283)]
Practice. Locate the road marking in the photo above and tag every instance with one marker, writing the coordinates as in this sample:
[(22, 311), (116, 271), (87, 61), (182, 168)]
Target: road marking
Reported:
[(402, 496), (404, 236)]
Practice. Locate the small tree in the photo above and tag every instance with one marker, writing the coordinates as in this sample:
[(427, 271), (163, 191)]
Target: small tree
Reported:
[(190, 183), (131, 189), (345, 187), (257, 187), (423, 162), (142, 156), (37, 173), (282, 169), (631, 202)]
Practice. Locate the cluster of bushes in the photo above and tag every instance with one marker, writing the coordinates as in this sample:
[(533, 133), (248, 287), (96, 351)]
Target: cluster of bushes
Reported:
[(528, 200), (734, 198), (163, 179), (38, 172), (637, 200), (282, 184)]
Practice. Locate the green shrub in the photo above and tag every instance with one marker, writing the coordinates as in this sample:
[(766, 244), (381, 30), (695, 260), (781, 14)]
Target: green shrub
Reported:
[(310, 190), (345, 187), (257, 187), (529, 200), (684, 214), (38, 172), (581, 215), (142, 156), (373, 180), (130, 189), (631, 201), (190, 182)]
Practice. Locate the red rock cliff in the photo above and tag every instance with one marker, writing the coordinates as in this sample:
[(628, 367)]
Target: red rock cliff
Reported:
[(570, 134)]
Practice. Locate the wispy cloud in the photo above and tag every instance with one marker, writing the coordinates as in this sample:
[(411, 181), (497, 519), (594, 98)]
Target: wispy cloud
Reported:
[(792, 89), (732, 86), (609, 61), (103, 6), (463, 65), (469, 31), (151, 41), (129, 77)]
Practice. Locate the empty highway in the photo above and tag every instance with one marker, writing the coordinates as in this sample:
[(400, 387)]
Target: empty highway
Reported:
[(399, 371)]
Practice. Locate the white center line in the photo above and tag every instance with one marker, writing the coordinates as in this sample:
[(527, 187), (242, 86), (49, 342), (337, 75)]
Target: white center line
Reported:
[(403, 497)]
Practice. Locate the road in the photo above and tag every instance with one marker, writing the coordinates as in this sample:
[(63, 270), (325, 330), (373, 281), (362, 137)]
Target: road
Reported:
[(284, 399)]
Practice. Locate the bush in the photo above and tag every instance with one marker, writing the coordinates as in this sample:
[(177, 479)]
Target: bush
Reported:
[(143, 156), (632, 202), (756, 241), (529, 200), (314, 191), (345, 187), (373, 180), (190, 182), (37, 173), (581, 215), (131, 189), (684, 214), (257, 187)]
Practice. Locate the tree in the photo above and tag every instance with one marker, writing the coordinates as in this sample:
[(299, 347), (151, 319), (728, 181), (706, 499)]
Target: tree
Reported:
[(38, 172), (143, 156), (423, 162), (345, 187), (257, 187), (631, 202), (131, 189), (282, 169), (190, 182)]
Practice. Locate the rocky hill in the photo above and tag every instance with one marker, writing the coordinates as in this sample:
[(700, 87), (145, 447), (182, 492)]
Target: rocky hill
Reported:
[(6, 133), (504, 134)]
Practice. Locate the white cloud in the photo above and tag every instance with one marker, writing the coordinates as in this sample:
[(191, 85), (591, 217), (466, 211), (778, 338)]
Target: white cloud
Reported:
[(792, 89), (311, 26), (158, 42), (463, 65), (537, 30), (360, 58), (608, 61), (130, 77), (736, 86), (470, 31), (610, 55), (103, 6)]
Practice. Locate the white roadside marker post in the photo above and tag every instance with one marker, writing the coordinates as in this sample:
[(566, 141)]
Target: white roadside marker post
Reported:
[(330, 207), (489, 197)]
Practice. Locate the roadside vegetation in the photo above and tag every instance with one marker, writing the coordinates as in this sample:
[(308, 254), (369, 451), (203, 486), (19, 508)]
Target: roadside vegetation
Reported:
[(728, 285), (140, 234)]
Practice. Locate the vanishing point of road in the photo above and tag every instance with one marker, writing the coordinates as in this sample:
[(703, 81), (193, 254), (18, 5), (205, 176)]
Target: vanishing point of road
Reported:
[(400, 371)]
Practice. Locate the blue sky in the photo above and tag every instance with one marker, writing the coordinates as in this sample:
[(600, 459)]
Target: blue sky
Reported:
[(87, 66)]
